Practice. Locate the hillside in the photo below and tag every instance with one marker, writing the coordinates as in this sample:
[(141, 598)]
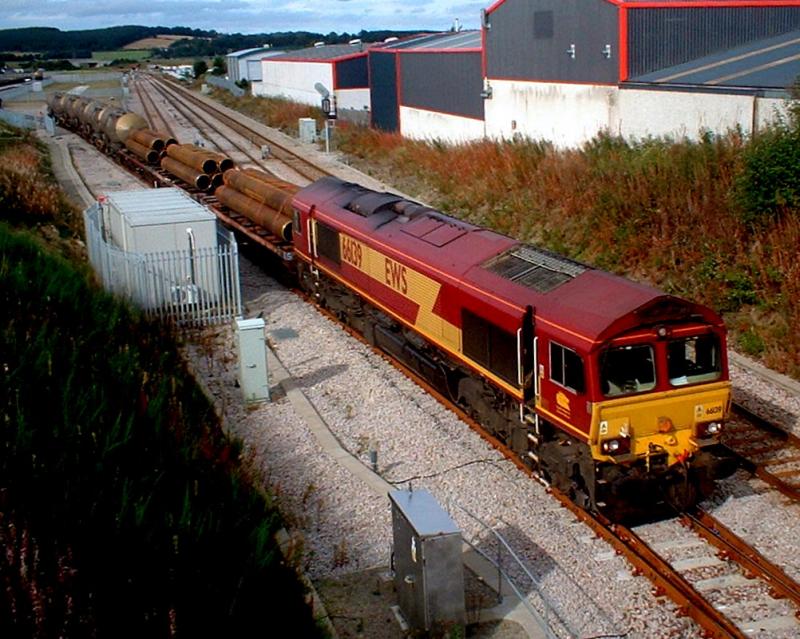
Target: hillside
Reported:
[(50, 42)]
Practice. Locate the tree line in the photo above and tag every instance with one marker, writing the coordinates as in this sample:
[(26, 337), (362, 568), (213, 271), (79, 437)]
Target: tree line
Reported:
[(52, 43)]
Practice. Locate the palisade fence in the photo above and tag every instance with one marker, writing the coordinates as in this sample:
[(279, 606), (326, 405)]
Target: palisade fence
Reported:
[(191, 288)]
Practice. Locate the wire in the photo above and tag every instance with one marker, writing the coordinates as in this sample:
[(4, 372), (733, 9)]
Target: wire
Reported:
[(492, 462)]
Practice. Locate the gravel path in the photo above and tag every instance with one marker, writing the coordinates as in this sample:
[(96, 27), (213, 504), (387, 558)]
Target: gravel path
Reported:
[(366, 402)]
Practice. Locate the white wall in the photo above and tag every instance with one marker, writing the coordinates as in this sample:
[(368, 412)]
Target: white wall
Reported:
[(420, 124), (356, 99), (566, 114), (571, 114), (294, 80), (685, 114)]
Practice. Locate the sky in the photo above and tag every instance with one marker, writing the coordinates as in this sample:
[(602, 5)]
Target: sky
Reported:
[(244, 16)]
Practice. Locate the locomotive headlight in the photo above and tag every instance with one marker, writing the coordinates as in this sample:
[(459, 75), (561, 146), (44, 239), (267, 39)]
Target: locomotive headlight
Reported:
[(616, 446), (709, 429)]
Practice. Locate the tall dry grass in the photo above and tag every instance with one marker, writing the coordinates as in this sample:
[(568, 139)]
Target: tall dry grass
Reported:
[(660, 211)]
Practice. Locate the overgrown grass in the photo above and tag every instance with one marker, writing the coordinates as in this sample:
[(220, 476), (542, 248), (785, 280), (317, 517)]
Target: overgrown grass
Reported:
[(677, 214), (124, 509)]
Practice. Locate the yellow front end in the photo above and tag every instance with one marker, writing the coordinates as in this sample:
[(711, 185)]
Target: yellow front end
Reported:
[(675, 422)]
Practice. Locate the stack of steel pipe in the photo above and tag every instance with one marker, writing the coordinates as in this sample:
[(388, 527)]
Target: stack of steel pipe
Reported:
[(194, 157), (187, 173), (153, 139), (261, 198), (147, 154)]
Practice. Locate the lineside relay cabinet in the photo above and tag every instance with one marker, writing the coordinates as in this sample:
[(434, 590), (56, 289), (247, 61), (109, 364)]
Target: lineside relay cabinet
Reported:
[(428, 565)]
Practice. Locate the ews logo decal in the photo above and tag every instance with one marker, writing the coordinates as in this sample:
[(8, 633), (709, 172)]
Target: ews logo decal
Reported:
[(395, 276)]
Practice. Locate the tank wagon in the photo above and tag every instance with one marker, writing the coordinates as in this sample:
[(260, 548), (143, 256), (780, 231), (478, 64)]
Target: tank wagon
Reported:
[(614, 392)]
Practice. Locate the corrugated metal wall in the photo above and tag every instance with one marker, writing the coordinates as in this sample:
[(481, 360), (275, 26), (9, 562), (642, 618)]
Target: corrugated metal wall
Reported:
[(530, 41), (446, 82), (383, 90), (352, 73), (661, 38)]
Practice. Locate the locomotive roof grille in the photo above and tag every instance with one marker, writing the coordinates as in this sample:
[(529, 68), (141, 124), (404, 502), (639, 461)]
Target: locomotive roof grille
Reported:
[(535, 268)]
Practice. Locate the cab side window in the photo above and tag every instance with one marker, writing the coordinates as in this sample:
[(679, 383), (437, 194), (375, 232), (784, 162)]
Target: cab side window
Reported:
[(566, 368), (328, 243)]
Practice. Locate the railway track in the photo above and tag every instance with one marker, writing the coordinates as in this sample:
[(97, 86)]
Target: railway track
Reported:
[(299, 164), (220, 139), (769, 452), (152, 114), (714, 576)]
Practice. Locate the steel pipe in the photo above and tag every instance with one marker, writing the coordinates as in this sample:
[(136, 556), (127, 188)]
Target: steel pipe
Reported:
[(188, 174), (274, 221), (194, 157), (273, 192), (149, 138), (148, 155)]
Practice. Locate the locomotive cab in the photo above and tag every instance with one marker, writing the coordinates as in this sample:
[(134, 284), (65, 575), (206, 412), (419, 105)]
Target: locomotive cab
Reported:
[(661, 399)]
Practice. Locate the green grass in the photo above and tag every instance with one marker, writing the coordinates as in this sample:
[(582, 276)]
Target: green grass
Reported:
[(125, 510), (121, 54)]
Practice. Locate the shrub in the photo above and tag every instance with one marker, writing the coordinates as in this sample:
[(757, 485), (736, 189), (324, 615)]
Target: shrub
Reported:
[(770, 179)]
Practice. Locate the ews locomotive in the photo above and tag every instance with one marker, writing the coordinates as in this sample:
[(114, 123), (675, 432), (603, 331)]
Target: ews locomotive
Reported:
[(613, 391)]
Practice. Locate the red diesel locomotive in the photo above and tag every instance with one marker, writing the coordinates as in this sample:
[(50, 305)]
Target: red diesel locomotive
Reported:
[(613, 391)]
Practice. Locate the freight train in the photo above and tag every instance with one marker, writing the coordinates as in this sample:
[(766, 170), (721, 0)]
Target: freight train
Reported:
[(612, 391)]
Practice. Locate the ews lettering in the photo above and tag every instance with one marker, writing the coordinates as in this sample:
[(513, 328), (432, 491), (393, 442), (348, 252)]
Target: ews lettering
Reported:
[(352, 252), (395, 276)]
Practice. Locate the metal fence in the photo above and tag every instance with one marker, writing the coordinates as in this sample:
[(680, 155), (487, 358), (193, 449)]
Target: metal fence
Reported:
[(190, 288)]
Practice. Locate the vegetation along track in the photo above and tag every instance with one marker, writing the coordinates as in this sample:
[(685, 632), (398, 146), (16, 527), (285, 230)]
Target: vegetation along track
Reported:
[(299, 164), (768, 451)]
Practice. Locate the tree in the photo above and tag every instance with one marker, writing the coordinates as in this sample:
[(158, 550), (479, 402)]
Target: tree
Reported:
[(219, 68), (199, 67)]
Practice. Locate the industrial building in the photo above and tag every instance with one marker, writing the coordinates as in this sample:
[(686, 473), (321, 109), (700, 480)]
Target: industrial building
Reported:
[(566, 71), (338, 72), (428, 86), (246, 64)]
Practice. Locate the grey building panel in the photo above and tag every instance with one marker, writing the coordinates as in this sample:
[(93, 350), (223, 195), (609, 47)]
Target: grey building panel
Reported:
[(254, 70), (383, 90), (661, 38), (460, 40), (770, 63), (532, 40), (445, 82), (326, 52)]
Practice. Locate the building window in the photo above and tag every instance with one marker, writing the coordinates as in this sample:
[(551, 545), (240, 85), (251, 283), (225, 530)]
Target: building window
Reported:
[(489, 346), (542, 25), (566, 368), (328, 243)]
